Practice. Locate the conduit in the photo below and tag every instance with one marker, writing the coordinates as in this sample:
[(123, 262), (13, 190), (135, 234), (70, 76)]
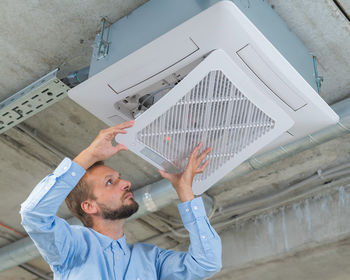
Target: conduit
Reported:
[(160, 194), (12, 229)]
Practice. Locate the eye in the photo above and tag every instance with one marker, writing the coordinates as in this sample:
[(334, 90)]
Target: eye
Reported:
[(109, 182)]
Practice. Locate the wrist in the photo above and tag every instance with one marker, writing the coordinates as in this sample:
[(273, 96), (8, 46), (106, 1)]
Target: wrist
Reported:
[(185, 194), (85, 159)]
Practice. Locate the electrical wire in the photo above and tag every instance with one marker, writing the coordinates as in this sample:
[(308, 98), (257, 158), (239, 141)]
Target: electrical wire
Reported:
[(76, 76), (12, 229), (32, 134)]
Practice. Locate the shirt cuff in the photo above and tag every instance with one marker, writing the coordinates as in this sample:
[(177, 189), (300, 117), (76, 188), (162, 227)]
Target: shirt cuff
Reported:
[(191, 210), (69, 171)]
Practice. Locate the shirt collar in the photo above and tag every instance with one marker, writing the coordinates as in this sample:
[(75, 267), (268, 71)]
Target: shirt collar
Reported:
[(106, 241), (124, 245)]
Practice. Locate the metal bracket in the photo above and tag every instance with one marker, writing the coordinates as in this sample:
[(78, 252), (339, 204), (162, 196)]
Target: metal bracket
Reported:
[(318, 79), (102, 42), (31, 100)]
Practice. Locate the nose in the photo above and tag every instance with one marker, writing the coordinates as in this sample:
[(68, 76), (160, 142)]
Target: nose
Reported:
[(126, 185)]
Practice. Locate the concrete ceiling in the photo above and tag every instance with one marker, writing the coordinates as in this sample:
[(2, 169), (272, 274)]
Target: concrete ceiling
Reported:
[(327, 262), (37, 36)]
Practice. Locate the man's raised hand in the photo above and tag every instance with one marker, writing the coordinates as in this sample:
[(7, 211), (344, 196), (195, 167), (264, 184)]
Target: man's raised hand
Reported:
[(102, 148), (182, 182)]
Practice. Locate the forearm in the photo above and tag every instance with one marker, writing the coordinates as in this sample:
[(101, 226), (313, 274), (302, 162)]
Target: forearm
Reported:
[(86, 158), (185, 193)]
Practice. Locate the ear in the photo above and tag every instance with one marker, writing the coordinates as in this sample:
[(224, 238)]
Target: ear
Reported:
[(89, 206)]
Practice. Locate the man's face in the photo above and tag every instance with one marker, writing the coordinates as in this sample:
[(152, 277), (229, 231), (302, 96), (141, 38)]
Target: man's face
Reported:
[(113, 194)]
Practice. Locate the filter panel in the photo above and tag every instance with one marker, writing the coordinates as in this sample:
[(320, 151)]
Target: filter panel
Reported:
[(216, 113)]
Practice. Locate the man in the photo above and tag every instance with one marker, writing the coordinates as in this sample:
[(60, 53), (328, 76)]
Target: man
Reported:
[(102, 201)]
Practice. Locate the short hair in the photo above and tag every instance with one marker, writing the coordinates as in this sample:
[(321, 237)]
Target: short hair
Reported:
[(81, 192)]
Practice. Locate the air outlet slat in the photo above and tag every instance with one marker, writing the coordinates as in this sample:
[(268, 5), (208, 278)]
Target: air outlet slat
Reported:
[(193, 119)]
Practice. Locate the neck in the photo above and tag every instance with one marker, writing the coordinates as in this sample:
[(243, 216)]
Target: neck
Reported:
[(112, 229)]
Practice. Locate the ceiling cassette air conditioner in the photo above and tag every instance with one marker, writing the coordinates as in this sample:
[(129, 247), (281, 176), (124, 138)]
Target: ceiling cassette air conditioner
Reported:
[(215, 79), (215, 104)]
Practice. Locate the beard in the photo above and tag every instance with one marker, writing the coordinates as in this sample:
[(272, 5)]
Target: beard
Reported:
[(123, 212)]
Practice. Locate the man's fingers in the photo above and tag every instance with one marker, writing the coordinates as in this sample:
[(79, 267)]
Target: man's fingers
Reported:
[(125, 124), (202, 167), (164, 174), (110, 134), (120, 128), (117, 131), (120, 147), (195, 151), (204, 154)]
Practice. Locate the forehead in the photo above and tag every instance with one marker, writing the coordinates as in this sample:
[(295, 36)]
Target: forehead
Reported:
[(99, 173)]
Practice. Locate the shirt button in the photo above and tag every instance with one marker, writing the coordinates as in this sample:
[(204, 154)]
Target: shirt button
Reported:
[(138, 278), (203, 236), (73, 173), (195, 207), (65, 168), (187, 210)]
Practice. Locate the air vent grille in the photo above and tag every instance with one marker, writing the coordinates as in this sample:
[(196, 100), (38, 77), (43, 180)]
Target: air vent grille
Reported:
[(216, 113)]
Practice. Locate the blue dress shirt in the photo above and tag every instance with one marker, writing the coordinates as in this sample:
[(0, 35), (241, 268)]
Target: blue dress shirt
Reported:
[(77, 252)]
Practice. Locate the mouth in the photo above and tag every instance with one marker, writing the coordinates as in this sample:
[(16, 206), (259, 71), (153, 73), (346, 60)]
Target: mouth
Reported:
[(128, 195)]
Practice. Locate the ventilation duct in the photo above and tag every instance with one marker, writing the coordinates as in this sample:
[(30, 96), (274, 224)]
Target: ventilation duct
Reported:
[(212, 77)]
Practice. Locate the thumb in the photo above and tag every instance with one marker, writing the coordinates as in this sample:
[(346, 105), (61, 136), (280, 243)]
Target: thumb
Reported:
[(120, 147), (164, 174)]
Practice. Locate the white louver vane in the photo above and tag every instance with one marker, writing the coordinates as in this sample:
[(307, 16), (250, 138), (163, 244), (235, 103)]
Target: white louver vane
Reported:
[(216, 105), (212, 78)]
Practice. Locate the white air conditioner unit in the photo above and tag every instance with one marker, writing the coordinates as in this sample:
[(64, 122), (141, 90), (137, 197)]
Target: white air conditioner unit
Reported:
[(214, 79)]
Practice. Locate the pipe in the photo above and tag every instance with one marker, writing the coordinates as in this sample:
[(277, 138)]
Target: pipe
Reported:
[(266, 204), (21, 251), (31, 269), (160, 194)]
